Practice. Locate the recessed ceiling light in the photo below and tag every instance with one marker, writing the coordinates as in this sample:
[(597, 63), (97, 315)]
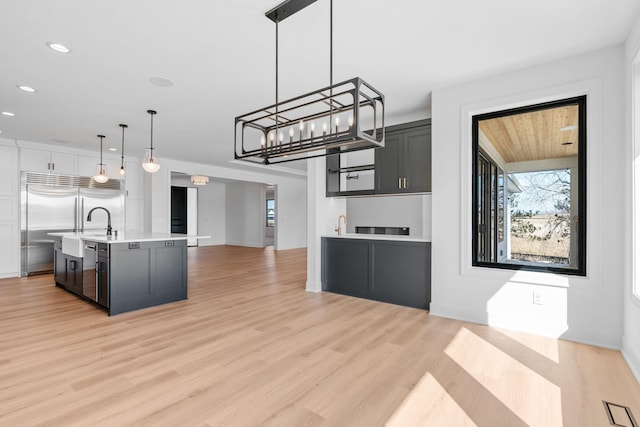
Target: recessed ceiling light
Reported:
[(26, 88), (8, 113), (567, 143), (113, 149), (161, 82), (58, 47), (566, 128)]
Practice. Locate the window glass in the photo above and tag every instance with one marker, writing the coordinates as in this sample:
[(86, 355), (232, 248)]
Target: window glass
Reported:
[(271, 212)]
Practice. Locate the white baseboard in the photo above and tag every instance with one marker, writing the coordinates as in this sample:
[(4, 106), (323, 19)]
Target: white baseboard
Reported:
[(9, 275), (632, 356), (456, 313), (315, 287), (504, 320)]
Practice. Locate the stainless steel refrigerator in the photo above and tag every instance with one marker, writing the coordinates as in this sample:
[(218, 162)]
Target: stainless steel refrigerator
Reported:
[(60, 203)]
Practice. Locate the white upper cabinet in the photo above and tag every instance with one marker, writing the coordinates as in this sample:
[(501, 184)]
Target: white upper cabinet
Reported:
[(48, 161), (133, 180)]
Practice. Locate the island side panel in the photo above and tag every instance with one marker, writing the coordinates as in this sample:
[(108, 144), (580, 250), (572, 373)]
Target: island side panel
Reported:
[(146, 274)]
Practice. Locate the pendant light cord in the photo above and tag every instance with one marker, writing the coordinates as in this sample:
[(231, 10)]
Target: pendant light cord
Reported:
[(101, 164), (122, 149), (151, 134), (277, 98), (277, 80), (330, 63)]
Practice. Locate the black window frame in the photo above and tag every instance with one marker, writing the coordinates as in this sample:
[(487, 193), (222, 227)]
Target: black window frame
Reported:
[(581, 268)]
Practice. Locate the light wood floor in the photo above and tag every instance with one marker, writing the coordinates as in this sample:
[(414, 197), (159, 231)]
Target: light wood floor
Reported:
[(251, 347)]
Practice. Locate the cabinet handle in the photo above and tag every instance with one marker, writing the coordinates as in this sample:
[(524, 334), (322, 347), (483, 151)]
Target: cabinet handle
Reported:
[(399, 182), (53, 166), (404, 182)]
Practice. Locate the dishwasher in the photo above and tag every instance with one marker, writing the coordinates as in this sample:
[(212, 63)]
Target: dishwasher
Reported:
[(95, 274), (89, 272)]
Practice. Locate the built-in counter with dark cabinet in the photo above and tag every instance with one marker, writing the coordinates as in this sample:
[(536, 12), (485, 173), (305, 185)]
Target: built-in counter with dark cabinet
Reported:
[(126, 272), (393, 269)]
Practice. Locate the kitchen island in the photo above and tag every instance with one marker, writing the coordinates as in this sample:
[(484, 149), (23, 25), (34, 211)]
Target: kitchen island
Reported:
[(123, 272)]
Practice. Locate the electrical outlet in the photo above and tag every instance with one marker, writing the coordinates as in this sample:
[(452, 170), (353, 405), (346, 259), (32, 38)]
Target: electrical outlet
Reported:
[(538, 298)]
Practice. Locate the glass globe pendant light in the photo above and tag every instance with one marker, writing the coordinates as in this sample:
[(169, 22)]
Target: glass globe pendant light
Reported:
[(150, 163), (122, 150), (101, 169)]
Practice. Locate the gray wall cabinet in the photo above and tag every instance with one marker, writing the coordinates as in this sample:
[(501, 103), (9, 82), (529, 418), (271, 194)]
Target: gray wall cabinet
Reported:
[(404, 164), (391, 271)]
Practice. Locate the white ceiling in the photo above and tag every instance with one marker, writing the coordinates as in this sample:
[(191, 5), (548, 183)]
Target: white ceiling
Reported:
[(221, 57)]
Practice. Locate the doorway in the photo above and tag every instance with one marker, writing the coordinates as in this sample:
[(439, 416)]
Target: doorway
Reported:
[(270, 216), (184, 212)]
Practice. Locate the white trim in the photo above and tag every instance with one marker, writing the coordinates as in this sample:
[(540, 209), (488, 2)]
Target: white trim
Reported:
[(270, 168), (635, 191), (632, 357), (315, 287), (593, 90)]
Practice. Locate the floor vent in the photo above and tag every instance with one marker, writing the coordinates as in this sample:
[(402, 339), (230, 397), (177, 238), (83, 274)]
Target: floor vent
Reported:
[(619, 415)]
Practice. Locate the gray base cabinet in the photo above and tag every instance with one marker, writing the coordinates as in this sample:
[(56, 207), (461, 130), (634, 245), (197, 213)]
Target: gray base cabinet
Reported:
[(67, 270), (391, 271), (145, 274)]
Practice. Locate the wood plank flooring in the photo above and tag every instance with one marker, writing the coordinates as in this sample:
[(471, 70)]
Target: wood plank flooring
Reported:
[(251, 347)]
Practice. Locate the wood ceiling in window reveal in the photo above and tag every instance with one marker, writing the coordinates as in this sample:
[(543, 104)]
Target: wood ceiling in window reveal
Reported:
[(536, 135)]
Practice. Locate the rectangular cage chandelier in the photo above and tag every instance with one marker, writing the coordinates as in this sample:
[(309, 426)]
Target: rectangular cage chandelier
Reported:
[(339, 118)]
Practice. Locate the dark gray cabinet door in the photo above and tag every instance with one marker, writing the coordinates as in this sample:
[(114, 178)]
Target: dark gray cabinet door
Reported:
[(74, 274), (67, 270), (404, 164), (59, 265), (102, 271), (417, 161), (345, 266), (388, 163), (402, 273)]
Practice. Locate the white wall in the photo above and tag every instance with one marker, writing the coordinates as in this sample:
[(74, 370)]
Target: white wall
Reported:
[(323, 215), (586, 309), (413, 211), (245, 214), (631, 322), (9, 209), (212, 214), (291, 191)]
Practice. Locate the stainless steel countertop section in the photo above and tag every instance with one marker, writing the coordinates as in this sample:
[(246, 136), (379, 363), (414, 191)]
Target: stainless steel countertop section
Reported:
[(378, 237)]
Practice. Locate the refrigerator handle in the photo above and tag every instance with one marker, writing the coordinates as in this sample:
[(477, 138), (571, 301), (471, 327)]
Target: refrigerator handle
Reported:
[(82, 214), (75, 215)]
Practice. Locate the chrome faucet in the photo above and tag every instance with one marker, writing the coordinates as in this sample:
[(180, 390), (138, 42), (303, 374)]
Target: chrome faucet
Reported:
[(108, 218), (339, 229)]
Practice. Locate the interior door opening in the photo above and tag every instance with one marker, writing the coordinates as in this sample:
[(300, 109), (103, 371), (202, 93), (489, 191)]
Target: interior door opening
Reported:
[(184, 212)]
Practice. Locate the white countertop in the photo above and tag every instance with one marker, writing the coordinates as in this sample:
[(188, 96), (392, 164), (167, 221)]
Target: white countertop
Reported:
[(378, 237), (129, 236)]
